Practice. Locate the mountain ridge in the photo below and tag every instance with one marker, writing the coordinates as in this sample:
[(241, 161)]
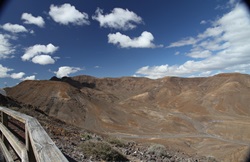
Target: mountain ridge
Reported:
[(170, 110)]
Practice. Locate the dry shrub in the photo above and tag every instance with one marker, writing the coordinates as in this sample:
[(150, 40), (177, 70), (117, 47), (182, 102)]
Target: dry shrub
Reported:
[(101, 151)]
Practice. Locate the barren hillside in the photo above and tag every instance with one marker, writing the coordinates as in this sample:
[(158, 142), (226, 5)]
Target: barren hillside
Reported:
[(208, 116)]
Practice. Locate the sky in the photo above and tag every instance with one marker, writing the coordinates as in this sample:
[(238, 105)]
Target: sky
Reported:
[(110, 38)]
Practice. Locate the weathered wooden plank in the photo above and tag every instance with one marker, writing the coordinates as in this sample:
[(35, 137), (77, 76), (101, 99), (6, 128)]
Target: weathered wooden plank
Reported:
[(4, 118), (17, 115), (24, 157), (5, 152), (38, 143), (14, 142), (44, 148)]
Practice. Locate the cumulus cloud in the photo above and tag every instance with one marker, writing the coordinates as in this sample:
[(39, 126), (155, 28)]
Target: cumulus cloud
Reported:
[(32, 77), (123, 41), (37, 54), (66, 71), (66, 14), (6, 48), (17, 75), (14, 28), (4, 71), (118, 19), (30, 19), (43, 60), (223, 47)]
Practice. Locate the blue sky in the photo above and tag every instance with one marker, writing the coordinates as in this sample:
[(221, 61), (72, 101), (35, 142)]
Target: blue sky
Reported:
[(110, 38)]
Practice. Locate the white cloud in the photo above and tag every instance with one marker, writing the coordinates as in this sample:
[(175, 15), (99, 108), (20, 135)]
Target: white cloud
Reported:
[(213, 45), (211, 32), (4, 71), (6, 49), (14, 28), (183, 42), (66, 70), (205, 74), (203, 22), (123, 41), (223, 47), (199, 53), (56, 58), (32, 77), (66, 14), (17, 75), (38, 50), (189, 68), (43, 60), (30, 19), (232, 2), (229, 4), (118, 19)]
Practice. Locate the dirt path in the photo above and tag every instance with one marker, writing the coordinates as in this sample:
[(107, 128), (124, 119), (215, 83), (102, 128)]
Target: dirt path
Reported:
[(197, 125)]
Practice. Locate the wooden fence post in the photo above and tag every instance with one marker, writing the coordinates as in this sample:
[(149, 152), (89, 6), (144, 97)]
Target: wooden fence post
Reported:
[(29, 148), (5, 123)]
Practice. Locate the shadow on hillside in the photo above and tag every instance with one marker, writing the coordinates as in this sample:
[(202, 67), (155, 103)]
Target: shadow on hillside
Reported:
[(74, 83), (8, 102), (248, 157), (70, 159)]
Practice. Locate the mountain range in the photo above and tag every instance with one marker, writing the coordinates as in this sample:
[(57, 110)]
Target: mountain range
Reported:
[(207, 116)]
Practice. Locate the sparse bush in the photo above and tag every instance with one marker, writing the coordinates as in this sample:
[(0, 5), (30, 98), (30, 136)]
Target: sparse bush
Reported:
[(86, 136), (212, 159), (158, 150), (102, 150), (117, 142)]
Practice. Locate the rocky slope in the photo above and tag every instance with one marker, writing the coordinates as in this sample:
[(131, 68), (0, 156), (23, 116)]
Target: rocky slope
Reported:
[(200, 116), (84, 146)]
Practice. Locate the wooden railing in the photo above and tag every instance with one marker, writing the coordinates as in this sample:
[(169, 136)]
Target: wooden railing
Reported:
[(36, 146)]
